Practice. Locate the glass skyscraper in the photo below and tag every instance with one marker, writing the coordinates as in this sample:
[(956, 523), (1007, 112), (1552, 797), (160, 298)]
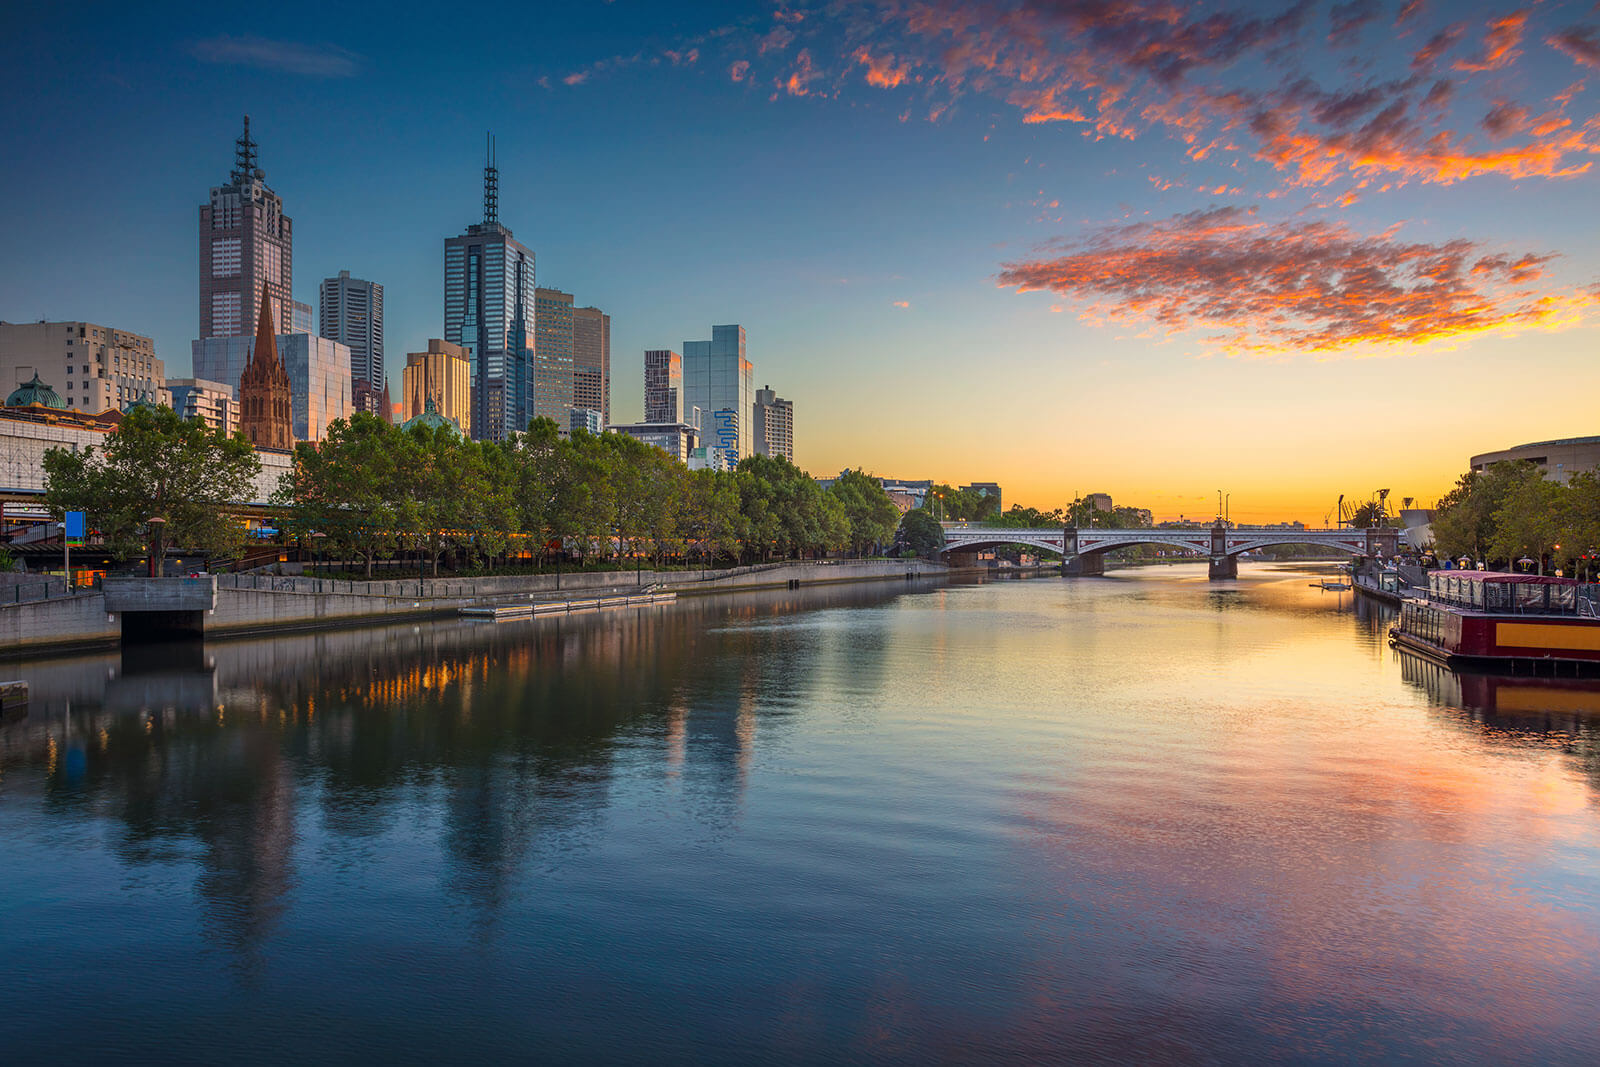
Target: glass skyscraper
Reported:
[(720, 381), (552, 355), (489, 309)]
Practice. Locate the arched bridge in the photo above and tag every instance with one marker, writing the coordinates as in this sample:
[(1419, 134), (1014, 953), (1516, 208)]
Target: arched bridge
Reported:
[(1083, 550)]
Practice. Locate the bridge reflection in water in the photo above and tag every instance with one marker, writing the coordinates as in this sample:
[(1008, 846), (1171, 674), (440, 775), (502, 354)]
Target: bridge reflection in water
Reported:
[(1083, 550)]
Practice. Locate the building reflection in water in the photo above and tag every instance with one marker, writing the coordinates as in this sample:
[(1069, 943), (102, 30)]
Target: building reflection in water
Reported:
[(497, 739)]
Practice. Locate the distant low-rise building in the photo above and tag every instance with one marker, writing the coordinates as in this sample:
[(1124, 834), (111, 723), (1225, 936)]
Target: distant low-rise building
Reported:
[(210, 402), (991, 490), (676, 439), (1559, 459), (710, 458), (93, 367), (443, 372)]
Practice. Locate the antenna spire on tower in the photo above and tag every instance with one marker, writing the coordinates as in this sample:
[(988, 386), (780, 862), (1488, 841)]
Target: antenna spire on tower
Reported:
[(244, 155), (491, 182)]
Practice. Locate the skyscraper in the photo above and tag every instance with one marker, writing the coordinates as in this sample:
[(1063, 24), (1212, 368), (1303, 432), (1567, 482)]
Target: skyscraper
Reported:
[(246, 249), (718, 379), (773, 428), (591, 361), (663, 386), (552, 355), (489, 308), (352, 314)]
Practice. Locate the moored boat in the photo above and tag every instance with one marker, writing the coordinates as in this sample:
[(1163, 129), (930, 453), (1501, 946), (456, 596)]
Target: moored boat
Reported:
[(1513, 619)]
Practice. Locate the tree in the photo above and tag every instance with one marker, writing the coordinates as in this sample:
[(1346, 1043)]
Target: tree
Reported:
[(867, 508), (157, 464), (347, 488), (1464, 521), (1369, 514), (1528, 521), (921, 533)]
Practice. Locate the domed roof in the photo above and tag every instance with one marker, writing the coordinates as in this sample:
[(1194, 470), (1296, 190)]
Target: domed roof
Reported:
[(431, 418), (35, 393)]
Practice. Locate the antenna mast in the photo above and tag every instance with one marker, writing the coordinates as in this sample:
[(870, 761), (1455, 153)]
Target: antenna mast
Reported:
[(491, 182), (244, 155)]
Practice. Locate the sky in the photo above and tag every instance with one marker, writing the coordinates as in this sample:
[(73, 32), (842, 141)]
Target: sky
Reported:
[(1157, 249)]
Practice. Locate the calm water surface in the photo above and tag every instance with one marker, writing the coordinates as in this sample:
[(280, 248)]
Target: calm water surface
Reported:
[(1145, 817)]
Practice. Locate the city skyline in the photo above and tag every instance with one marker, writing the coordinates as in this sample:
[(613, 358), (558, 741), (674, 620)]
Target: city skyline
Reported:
[(955, 270)]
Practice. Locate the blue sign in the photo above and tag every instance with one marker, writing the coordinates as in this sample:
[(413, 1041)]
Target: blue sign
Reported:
[(73, 527)]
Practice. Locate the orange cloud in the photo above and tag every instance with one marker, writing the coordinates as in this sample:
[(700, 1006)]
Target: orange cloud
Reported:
[(1263, 288), (881, 71), (1499, 44), (800, 79), (739, 69), (902, 304)]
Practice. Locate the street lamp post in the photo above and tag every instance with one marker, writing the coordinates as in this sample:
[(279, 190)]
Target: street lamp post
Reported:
[(319, 537)]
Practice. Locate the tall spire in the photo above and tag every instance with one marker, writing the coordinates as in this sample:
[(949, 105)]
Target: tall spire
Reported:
[(266, 334), (491, 182), (244, 156)]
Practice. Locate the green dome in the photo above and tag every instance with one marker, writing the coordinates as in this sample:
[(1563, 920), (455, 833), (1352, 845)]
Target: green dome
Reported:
[(35, 392), (431, 418)]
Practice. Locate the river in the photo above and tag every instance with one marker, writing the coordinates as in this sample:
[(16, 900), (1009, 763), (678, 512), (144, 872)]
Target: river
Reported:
[(1146, 817)]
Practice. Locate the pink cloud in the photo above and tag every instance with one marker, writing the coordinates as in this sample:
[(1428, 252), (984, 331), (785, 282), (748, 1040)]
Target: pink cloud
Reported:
[(1261, 287)]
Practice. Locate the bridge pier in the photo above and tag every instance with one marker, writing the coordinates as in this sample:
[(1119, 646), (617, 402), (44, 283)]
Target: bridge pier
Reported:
[(1092, 565), (160, 609), (1223, 567)]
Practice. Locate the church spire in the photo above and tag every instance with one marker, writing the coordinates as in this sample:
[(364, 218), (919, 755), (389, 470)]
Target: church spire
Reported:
[(266, 332)]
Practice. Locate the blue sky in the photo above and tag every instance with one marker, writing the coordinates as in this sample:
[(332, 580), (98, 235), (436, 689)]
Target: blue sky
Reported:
[(807, 197)]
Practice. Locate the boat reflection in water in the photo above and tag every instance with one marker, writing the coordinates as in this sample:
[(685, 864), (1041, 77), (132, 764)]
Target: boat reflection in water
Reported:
[(1538, 707)]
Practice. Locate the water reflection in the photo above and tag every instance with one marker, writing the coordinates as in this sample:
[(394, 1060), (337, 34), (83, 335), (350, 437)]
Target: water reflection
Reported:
[(507, 735), (1114, 819)]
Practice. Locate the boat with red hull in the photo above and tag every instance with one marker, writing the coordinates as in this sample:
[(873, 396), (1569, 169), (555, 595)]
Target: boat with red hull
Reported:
[(1485, 617)]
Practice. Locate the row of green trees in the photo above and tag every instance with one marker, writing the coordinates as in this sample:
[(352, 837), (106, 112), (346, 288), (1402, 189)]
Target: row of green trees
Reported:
[(370, 491), (1512, 512)]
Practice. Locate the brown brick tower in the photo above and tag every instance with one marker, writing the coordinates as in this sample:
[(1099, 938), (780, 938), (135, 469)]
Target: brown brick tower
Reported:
[(265, 414)]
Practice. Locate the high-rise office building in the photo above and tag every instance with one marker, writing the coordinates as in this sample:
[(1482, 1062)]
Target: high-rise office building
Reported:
[(774, 425), (663, 386), (246, 249), (552, 355), (489, 308), (95, 368), (443, 372), (591, 361), (352, 314), (719, 380)]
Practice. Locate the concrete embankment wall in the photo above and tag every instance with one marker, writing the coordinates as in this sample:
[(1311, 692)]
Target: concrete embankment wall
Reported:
[(301, 603)]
